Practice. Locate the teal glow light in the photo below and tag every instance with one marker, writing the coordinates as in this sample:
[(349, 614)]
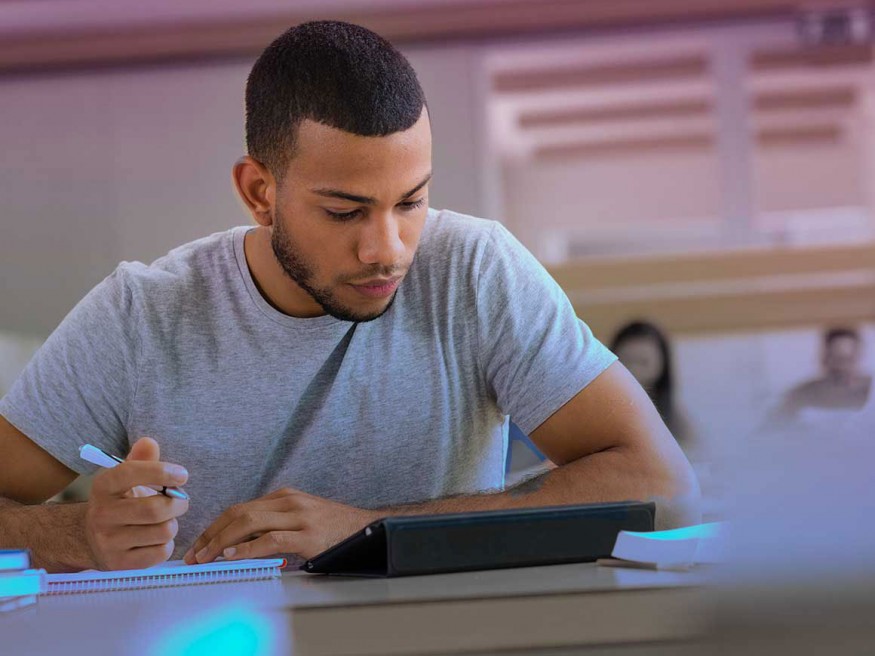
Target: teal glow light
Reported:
[(20, 584), (710, 530), (229, 630)]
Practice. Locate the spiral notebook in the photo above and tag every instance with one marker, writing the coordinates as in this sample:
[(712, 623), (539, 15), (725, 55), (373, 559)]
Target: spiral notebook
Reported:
[(172, 573)]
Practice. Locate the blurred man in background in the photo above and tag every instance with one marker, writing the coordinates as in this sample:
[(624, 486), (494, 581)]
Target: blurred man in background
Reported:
[(843, 388)]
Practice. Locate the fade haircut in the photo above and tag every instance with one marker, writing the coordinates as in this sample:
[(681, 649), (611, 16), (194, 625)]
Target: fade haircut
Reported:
[(330, 72)]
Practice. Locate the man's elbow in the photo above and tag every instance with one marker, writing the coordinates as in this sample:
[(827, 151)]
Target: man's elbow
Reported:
[(679, 499)]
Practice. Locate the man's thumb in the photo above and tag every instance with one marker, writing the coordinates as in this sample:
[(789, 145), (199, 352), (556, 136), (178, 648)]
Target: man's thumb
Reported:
[(145, 449)]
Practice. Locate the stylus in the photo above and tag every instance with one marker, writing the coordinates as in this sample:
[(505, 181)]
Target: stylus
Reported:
[(101, 458)]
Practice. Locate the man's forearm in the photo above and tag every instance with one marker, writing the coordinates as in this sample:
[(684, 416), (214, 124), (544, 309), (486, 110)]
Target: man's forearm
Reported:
[(611, 475), (54, 533)]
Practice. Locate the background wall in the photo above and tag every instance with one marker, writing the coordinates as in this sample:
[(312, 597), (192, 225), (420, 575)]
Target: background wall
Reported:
[(794, 177), (15, 351), (605, 195), (609, 193)]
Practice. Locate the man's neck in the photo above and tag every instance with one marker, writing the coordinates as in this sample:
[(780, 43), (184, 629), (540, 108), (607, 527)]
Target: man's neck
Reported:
[(272, 282)]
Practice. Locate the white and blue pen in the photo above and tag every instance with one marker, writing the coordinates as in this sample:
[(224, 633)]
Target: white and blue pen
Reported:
[(101, 458)]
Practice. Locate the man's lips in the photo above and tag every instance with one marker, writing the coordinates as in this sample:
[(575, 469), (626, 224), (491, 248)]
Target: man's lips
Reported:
[(377, 287)]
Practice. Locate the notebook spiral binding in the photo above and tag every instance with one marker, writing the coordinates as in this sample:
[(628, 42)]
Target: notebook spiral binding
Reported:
[(162, 581)]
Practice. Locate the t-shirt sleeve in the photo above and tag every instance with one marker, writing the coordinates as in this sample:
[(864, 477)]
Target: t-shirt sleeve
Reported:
[(536, 353), (80, 384)]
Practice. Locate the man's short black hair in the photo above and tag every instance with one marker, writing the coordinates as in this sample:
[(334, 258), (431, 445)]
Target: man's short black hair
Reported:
[(833, 334), (335, 73)]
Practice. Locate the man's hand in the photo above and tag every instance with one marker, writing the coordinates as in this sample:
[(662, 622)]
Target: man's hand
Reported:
[(131, 527), (285, 521)]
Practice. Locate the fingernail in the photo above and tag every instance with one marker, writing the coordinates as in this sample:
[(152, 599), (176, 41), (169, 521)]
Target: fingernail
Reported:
[(178, 473), (229, 552), (202, 554), (188, 555)]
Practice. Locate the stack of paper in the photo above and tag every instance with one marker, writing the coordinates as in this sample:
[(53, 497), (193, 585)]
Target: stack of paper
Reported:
[(19, 585), (675, 549)]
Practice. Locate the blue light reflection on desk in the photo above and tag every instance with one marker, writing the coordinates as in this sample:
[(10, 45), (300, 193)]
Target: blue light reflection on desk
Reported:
[(233, 629), (710, 530)]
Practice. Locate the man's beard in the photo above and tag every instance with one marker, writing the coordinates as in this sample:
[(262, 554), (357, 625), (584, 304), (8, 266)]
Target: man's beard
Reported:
[(302, 274)]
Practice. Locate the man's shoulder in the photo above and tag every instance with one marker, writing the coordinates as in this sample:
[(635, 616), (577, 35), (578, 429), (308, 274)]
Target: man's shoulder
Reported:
[(811, 392), (446, 227), (183, 271), (801, 391), (811, 386), (185, 263), (456, 237)]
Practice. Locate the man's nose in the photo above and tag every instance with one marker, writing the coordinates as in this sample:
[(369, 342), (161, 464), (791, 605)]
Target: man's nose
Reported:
[(380, 241)]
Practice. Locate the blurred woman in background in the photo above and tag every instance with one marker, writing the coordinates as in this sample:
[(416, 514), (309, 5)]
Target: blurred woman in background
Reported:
[(645, 351)]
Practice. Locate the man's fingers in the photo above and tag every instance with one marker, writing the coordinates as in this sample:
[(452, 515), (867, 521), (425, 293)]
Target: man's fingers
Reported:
[(269, 544), (245, 527), (286, 522), (280, 493), (233, 514), (145, 449), (148, 535), (131, 473), (142, 491), (142, 557), (144, 511), (223, 521), (242, 527)]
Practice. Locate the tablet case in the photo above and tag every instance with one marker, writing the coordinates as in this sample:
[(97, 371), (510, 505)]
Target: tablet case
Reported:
[(433, 544)]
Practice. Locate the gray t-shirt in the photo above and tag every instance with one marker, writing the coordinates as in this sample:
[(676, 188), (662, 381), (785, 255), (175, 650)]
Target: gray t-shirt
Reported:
[(408, 407)]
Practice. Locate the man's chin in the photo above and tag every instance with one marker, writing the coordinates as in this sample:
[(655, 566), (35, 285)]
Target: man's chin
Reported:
[(361, 315)]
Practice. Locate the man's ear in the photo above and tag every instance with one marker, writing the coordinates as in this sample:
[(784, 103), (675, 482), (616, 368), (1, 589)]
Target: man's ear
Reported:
[(256, 187)]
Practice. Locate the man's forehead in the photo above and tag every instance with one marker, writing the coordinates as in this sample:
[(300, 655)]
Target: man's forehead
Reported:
[(326, 157), (845, 341), (317, 133)]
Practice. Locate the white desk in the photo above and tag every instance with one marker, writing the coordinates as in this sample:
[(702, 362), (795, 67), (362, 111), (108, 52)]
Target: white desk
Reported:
[(567, 608)]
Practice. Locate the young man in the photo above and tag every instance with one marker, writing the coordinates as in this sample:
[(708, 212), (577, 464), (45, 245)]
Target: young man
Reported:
[(354, 355), (843, 387)]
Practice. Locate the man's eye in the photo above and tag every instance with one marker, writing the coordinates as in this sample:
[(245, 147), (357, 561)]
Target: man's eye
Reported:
[(411, 205), (342, 216)]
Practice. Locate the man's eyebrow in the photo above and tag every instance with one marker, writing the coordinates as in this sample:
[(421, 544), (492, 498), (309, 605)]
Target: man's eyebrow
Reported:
[(417, 187), (364, 200)]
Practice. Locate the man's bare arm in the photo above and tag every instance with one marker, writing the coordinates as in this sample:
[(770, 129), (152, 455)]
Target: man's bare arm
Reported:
[(53, 532), (565, 485), (611, 445)]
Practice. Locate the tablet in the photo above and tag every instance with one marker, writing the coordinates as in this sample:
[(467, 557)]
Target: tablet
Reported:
[(458, 542)]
